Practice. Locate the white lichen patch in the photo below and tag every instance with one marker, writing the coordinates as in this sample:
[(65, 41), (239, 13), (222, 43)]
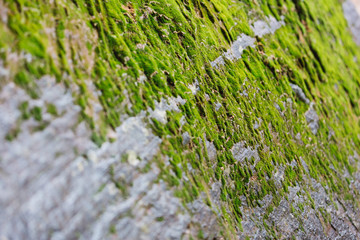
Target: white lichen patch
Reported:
[(241, 153), (194, 88), (237, 48), (235, 51), (186, 138), (159, 113), (182, 121), (260, 28), (218, 106), (267, 26), (211, 150)]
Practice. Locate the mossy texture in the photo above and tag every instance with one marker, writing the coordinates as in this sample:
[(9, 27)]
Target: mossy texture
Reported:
[(139, 52)]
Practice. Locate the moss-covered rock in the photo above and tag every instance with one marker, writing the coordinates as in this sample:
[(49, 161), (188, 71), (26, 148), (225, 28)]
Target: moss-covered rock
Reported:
[(178, 119)]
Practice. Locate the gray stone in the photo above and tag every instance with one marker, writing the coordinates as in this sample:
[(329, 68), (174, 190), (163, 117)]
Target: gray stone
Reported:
[(211, 150), (217, 106), (269, 26), (299, 93), (312, 119), (240, 153), (159, 113), (260, 28), (186, 138), (351, 10), (55, 182), (236, 50)]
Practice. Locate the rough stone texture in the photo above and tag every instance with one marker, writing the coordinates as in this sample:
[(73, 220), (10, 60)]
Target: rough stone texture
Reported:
[(116, 122), (241, 153), (159, 113), (269, 26), (299, 93), (260, 28), (63, 185), (313, 119), (352, 15), (284, 218)]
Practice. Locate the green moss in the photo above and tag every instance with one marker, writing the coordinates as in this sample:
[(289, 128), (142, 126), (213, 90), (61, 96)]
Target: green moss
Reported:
[(99, 140), (160, 219), (112, 229), (51, 108), (172, 43), (36, 113), (13, 133)]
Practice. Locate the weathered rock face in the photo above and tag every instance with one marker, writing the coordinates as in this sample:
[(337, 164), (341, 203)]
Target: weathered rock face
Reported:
[(179, 119), (352, 15)]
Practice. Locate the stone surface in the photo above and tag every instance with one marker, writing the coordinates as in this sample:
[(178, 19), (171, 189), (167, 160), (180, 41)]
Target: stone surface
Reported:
[(352, 15), (299, 93), (113, 124), (267, 26), (63, 185), (242, 153), (313, 119), (260, 28)]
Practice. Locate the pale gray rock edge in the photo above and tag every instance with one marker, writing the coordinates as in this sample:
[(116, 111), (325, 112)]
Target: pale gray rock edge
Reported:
[(260, 28), (310, 115), (299, 93), (353, 18)]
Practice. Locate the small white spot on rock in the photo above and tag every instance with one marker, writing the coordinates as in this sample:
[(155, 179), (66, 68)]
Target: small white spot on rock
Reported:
[(217, 106), (194, 88), (182, 121), (161, 107), (207, 97), (140, 46), (132, 158)]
